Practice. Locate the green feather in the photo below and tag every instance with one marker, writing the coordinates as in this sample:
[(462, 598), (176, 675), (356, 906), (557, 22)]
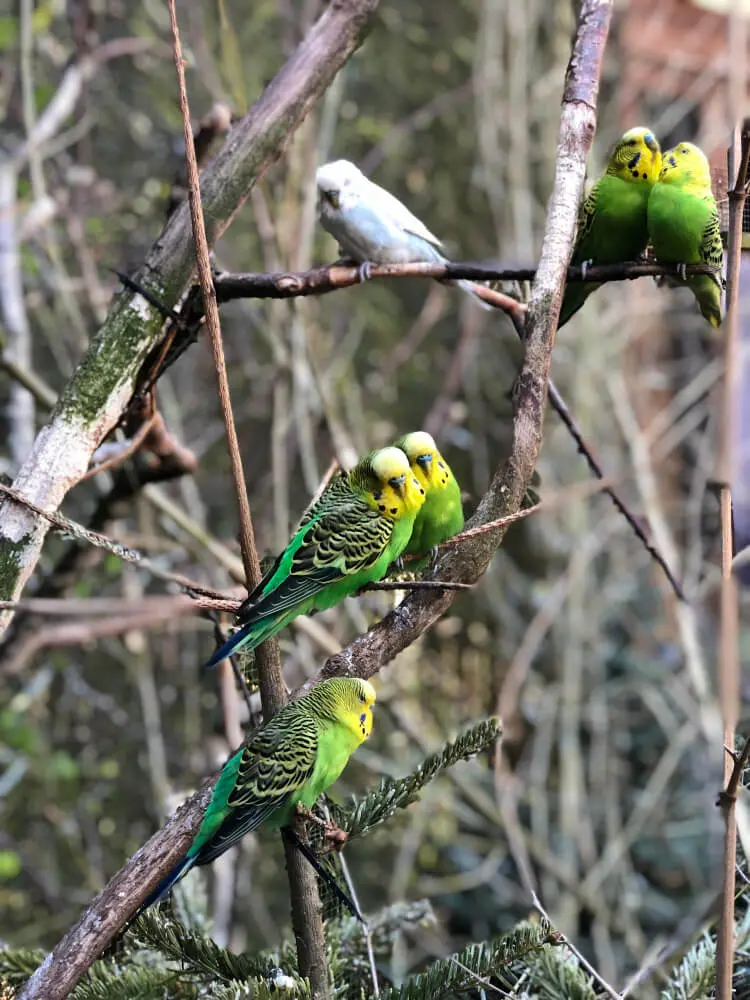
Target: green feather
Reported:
[(345, 539), (683, 222), (612, 224), (290, 761), (441, 516)]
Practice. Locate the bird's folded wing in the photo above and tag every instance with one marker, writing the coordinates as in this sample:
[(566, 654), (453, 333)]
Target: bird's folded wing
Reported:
[(275, 764)]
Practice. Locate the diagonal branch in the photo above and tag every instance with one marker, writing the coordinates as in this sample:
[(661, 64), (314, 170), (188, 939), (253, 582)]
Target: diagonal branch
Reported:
[(122, 895)]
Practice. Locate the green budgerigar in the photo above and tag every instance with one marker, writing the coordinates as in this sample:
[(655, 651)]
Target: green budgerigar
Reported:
[(612, 223), (348, 537), (286, 763), (683, 223), (441, 515)]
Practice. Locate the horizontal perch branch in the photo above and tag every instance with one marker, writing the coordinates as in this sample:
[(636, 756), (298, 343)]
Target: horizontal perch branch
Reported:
[(320, 280)]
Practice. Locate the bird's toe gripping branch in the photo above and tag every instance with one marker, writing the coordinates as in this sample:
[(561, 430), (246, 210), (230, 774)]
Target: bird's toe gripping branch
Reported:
[(682, 270)]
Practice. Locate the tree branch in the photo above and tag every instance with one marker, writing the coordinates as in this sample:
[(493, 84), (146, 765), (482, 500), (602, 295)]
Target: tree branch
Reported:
[(126, 890), (331, 277), (729, 661), (101, 387)]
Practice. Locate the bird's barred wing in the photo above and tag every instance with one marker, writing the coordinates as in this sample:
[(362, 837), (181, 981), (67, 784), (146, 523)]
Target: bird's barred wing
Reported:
[(586, 215), (275, 764), (344, 540), (712, 249), (336, 493)]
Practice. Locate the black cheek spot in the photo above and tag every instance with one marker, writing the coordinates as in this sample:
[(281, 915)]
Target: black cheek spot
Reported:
[(644, 176), (362, 719), (394, 510), (440, 465), (634, 173), (381, 508), (633, 162), (378, 495), (672, 161), (421, 491)]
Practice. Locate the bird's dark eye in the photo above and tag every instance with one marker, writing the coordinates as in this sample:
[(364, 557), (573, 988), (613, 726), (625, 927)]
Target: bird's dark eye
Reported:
[(363, 699), (332, 197)]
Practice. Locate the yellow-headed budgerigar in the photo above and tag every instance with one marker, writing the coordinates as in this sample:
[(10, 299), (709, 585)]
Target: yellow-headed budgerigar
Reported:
[(348, 537), (683, 223), (371, 225), (441, 516), (286, 763), (612, 221)]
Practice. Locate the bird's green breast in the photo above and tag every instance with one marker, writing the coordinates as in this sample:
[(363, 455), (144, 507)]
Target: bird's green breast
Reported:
[(440, 517), (619, 228), (336, 744), (676, 221)]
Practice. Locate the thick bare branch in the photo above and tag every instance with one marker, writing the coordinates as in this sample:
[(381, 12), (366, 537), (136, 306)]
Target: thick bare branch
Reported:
[(96, 396)]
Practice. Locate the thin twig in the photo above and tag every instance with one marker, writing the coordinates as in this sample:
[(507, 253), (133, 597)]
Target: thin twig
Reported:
[(305, 902), (728, 666), (609, 990)]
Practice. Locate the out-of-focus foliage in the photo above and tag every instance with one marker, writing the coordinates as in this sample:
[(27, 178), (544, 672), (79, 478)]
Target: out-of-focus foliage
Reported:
[(605, 781)]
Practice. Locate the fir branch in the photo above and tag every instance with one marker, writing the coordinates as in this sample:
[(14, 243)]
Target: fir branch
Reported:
[(347, 946), (557, 975), (278, 987), (695, 976), (17, 964), (113, 981), (458, 974), (397, 793), (202, 956)]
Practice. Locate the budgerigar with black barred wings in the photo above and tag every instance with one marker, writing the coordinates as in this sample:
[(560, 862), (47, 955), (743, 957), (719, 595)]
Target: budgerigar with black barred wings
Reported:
[(347, 538)]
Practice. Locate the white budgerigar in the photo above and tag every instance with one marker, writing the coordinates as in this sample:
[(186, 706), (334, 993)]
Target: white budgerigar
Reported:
[(371, 225)]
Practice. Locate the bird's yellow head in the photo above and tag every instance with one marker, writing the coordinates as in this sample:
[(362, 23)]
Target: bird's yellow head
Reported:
[(426, 462), (350, 701), (392, 488), (636, 157), (685, 164)]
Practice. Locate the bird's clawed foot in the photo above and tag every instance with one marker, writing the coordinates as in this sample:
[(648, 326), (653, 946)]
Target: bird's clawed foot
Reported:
[(332, 832), (585, 265), (364, 271), (681, 270)]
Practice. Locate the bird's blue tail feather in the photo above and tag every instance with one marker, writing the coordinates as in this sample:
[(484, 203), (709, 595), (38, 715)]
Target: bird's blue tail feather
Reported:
[(166, 884), (228, 647)]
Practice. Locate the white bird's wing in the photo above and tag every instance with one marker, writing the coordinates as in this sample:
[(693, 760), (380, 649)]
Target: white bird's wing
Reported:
[(386, 204)]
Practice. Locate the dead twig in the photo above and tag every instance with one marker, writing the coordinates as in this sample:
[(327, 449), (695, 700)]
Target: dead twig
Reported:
[(728, 666)]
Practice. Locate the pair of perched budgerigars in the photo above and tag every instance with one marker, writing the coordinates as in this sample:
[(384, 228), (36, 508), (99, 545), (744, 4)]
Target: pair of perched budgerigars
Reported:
[(646, 196), (399, 499), (641, 197)]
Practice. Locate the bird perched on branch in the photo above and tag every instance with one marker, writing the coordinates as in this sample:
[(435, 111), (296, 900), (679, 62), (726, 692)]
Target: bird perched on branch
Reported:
[(441, 515), (285, 764), (372, 226), (683, 223), (612, 221), (347, 538)]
